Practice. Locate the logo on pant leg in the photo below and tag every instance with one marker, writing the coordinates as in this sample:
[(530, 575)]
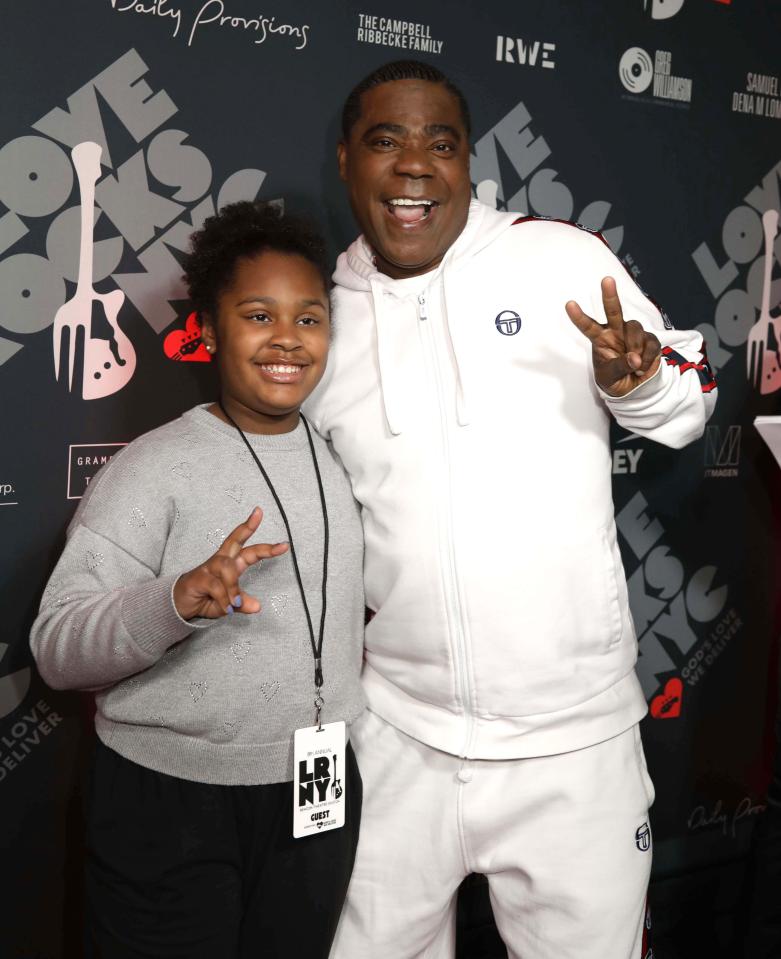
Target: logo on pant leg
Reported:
[(643, 838)]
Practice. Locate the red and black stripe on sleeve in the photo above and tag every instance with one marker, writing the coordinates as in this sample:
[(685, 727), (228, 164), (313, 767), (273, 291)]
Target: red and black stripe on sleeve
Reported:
[(703, 369), (666, 321)]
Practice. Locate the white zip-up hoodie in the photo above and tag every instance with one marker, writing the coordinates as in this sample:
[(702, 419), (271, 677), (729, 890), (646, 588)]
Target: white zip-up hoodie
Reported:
[(477, 441)]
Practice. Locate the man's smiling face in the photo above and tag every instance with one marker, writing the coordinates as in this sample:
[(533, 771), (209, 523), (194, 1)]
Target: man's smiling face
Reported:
[(406, 165)]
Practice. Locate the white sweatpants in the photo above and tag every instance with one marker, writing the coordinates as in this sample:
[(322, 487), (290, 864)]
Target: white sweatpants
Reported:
[(560, 838)]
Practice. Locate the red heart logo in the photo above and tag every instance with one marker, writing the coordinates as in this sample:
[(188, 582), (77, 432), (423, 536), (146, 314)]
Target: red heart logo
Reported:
[(667, 705), (186, 345)]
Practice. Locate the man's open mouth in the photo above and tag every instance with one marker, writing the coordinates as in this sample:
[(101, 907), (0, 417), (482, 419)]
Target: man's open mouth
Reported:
[(410, 210)]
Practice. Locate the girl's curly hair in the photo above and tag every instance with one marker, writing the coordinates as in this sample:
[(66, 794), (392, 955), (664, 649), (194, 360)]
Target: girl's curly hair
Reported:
[(242, 230)]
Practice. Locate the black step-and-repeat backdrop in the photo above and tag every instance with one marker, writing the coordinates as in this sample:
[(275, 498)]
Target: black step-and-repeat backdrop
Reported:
[(657, 122)]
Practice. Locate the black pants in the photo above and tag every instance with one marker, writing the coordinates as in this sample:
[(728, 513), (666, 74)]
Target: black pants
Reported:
[(188, 870)]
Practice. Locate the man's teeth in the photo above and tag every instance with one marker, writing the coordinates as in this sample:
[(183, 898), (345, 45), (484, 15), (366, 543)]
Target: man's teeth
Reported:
[(279, 368), (403, 201)]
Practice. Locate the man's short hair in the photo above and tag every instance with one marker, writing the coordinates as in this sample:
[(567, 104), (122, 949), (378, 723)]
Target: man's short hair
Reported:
[(399, 70)]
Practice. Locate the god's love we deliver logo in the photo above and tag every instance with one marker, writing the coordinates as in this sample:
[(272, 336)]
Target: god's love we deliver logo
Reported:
[(89, 265), (23, 733), (682, 618)]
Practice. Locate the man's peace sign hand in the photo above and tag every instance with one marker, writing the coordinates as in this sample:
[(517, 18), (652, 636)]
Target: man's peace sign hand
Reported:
[(212, 589), (623, 353)]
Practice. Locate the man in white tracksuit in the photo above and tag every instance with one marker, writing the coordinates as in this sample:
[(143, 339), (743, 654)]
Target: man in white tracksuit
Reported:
[(469, 396)]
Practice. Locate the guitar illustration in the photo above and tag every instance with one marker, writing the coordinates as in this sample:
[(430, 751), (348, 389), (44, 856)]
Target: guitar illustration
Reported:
[(108, 364), (764, 340), (336, 785)]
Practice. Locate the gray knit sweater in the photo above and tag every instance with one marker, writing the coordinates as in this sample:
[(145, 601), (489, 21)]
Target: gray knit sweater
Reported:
[(214, 701)]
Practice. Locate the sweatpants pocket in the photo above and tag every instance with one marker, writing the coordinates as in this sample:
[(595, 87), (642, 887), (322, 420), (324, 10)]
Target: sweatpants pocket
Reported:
[(643, 766)]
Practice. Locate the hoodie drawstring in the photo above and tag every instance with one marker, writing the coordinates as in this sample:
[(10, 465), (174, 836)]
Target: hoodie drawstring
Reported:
[(356, 272), (392, 341), (390, 349)]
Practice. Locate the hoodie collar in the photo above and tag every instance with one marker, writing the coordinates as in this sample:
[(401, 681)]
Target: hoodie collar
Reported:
[(355, 270)]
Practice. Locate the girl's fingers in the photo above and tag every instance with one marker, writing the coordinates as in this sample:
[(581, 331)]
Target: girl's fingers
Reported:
[(239, 536), (219, 594), (247, 604), (253, 554), (230, 596), (213, 589), (225, 569)]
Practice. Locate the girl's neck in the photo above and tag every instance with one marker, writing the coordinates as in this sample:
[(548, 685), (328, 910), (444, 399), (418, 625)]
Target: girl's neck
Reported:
[(251, 421)]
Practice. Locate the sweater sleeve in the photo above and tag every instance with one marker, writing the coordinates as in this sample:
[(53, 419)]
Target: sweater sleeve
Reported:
[(672, 406), (106, 613)]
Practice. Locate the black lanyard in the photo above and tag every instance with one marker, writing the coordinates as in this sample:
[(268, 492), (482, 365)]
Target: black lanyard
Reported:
[(317, 647)]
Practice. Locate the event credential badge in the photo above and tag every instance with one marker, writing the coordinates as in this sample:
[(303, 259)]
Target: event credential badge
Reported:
[(319, 775)]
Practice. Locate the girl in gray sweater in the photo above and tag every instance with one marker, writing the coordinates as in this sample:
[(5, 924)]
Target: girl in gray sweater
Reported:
[(210, 589)]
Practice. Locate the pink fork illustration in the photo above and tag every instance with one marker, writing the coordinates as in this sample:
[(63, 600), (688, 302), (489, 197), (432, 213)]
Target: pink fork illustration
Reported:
[(763, 354), (108, 364)]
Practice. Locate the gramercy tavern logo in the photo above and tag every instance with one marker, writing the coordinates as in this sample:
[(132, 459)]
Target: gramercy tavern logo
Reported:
[(662, 9), (636, 70), (13, 687)]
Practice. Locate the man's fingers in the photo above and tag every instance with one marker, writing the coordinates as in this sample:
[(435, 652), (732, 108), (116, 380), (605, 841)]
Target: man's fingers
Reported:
[(612, 304), (634, 337), (650, 352), (584, 323), (239, 536), (641, 347), (616, 369)]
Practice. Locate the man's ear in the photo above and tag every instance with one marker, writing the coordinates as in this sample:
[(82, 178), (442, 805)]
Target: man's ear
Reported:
[(341, 159)]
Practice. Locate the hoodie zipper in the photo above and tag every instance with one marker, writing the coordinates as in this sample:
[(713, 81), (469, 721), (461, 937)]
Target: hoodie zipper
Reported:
[(451, 578)]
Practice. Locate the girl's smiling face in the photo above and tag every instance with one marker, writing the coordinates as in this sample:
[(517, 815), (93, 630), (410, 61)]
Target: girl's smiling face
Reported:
[(270, 338)]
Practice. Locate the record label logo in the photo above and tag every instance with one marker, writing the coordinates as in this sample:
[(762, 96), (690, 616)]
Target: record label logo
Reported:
[(662, 9), (636, 70)]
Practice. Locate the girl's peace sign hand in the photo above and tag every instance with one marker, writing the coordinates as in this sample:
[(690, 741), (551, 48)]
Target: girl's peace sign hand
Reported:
[(212, 589)]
